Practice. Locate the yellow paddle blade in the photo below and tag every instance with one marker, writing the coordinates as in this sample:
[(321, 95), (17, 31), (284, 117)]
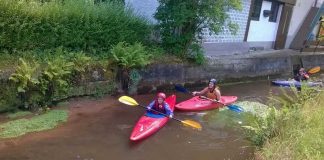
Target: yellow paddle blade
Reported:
[(128, 100), (192, 124), (314, 70)]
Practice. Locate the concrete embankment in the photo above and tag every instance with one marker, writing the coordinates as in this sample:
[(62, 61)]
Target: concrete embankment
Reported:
[(232, 68)]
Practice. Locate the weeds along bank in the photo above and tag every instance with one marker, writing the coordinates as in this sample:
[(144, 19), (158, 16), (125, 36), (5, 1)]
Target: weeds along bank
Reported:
[(53, 50), (56, 43), (294, 131)]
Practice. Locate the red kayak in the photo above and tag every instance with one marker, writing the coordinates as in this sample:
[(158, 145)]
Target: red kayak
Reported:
[(150, 123), (198, 104)]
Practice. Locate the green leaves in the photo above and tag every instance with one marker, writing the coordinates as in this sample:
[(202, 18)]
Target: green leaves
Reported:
[(38, 83), (80, 61), (75, 25), (130, 56), (181, 21), (26, 75)]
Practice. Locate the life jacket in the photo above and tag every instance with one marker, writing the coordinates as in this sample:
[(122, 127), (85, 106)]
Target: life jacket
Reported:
[(160, 108), (212, 94), (300, 77)]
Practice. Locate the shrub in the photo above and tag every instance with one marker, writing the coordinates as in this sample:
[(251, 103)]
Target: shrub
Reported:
[(128, 57), (26, 79), (181, 22), (74, 25)]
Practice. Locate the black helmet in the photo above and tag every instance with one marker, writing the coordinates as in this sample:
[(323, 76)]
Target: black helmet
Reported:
[(213, 81)]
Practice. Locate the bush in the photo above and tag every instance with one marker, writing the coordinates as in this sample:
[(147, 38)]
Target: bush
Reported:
[(55, 77), (260, 129), (295, 131), (181, 22), (74, 25), (301, 136), (26, 79), (128, 57), (8, 98)]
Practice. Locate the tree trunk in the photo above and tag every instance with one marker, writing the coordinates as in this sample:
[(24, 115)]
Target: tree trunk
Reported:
[(123, 79)]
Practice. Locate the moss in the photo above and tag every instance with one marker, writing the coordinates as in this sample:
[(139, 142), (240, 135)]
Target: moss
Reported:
[(42, 122), (18, 114)]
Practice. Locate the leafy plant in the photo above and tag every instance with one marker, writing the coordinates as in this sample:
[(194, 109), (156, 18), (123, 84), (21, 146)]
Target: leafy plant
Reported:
[(196, 54), (127, 57), (27, 82), (81, 61), (55, 77), (130, 56), (301, 136), (260, 129), (26, 76), (181, 22)]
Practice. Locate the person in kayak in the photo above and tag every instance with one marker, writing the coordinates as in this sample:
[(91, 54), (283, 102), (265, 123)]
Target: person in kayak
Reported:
[(212, 91), (160, 105), (301, 75)]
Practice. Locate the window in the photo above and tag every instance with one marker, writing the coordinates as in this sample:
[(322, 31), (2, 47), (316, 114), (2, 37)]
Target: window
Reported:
[(256, 9), (274, 11)]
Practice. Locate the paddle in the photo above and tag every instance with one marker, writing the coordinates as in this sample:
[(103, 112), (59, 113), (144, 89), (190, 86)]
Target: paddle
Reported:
[(132, 102), (314, 70), (232, 107)]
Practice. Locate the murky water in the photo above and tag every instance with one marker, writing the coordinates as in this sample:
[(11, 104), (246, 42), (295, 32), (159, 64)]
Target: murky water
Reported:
[(100, 130)]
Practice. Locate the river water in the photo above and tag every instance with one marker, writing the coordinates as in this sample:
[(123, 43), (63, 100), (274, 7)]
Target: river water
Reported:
[(100, 130)]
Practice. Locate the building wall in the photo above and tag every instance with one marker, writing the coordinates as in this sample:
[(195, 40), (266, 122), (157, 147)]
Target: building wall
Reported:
[(146, 8), (238, 17), (263, 33), (300, 12), (263, 30)]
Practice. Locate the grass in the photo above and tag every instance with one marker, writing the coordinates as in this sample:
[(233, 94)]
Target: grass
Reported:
[(302, 136), (226, 117), (8, 62), (42, 122), (18, 114)]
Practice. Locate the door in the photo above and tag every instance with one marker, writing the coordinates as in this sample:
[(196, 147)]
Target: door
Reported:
[(283, 26)]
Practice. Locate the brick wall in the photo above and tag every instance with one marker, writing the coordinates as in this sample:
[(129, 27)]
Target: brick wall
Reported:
[(146, 8), (238, 17)]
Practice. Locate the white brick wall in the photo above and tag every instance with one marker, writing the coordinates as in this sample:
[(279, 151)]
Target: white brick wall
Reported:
[(148, 7), (238, 17)]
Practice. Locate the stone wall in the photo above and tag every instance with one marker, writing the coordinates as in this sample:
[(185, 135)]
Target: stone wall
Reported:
[(224, 70), (164, 76)]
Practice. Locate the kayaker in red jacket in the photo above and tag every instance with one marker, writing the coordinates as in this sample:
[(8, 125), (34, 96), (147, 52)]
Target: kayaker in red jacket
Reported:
[(301, 75), (160, 105), (212, 91)]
